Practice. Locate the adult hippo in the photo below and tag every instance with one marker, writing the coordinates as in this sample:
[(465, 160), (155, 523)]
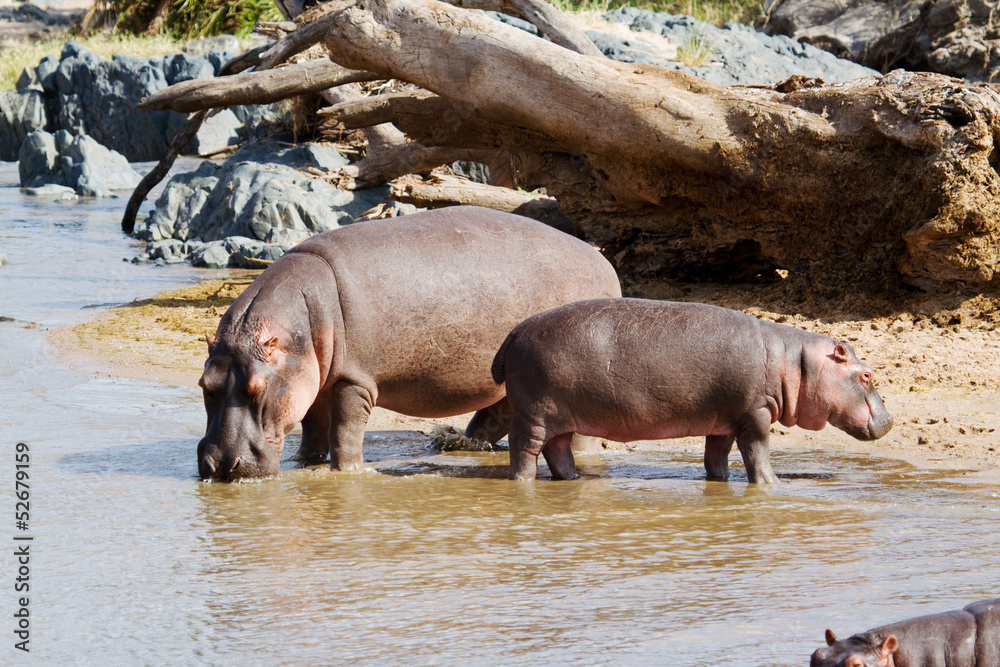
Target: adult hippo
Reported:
[(969, 637), (404, 313), (633, 369)]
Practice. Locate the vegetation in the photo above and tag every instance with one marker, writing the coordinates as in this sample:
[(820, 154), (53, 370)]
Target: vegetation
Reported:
[(183, 19), (715, 12), (696, 50)]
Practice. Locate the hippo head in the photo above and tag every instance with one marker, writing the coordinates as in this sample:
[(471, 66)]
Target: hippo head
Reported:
[(865, 650), (844, 395), (258, 383)]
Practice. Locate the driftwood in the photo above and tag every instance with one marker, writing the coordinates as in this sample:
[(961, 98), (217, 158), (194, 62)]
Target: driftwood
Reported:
[(444, 190), (311, 76), (159, 172), (867, 181)]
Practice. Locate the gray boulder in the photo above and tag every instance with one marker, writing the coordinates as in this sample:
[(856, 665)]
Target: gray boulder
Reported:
[(98, 97), (256, 204), (955, 37), (734, 54), (86, 94), (227, 45), (76, 162), (20, 115)]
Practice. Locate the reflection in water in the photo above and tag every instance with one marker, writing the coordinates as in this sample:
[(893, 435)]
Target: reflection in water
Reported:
[(428, 558)]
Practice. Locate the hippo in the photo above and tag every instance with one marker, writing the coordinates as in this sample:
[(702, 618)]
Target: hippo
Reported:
[(969, 637), (403, 313), (635, 369)]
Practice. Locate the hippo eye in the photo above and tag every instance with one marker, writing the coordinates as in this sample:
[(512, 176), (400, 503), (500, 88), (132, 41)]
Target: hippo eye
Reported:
[(866, 377)]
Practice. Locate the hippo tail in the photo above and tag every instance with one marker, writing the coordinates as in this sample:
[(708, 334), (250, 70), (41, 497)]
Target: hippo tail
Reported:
[(497, 369)]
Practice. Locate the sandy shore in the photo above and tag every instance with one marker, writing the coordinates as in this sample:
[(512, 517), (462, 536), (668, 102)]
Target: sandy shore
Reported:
[(937, 363)]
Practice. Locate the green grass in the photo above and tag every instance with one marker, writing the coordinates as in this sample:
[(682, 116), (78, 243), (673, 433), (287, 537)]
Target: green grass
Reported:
[(13, 61), (190, 19), (696, 50)]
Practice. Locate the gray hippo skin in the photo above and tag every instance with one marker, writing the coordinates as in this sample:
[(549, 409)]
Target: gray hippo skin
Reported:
[(966, 638), (405, 313), (632, 369)]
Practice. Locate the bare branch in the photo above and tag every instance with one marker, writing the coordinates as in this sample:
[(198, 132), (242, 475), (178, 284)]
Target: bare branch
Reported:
[(156, 175), (297, 42), (312, 76), (441, 191), (549, 20)]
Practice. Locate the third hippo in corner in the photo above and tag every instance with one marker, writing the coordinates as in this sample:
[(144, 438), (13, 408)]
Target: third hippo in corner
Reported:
[(634, 369), (969, 637)]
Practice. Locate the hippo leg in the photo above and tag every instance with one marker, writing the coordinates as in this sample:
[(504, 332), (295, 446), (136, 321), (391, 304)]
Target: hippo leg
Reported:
[(559, 455), (490, 424), (524, 449), (717, 448), (752, 441), (352, 408), (316, 430)]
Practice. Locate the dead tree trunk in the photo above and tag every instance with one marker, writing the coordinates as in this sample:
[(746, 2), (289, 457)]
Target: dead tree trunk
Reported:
[(868, 181)]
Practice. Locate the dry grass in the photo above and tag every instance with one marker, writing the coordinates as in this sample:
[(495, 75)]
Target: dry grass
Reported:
[(715, 12), (13, 61)]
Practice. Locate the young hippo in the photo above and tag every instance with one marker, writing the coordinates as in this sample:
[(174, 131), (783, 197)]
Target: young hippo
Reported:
[(633, 369), (404, 314), (966, 638)]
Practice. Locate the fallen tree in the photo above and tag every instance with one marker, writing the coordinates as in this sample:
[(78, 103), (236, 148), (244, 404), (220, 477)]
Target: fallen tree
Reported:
[(868, 181)]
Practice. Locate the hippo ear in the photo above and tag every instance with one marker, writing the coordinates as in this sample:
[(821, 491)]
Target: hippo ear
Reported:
[(889, 646), (210, 339), (840, 353), (271, 350), (831, 638)]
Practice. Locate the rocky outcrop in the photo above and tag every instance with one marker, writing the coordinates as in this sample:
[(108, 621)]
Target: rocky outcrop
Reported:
[(75, 162), (20, 115), (256, 204), (86, 94), (731, 55), (955, 37)]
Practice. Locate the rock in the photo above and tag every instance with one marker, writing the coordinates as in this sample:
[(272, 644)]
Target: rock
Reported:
[(182, 200), (184, 67), (37, 157), (955, 37), (221, 131), (52, 190), (224, 44), (86, 94), (474, 171), (20, 115), (734, 54), (98, 97), (210, 255), (78, 162), (256, 204)]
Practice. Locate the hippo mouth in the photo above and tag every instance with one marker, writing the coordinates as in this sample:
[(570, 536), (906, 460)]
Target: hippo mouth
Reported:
[(220, 465), (879, 420)]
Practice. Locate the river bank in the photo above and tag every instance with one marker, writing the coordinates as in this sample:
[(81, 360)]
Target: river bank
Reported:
[(937, 363)]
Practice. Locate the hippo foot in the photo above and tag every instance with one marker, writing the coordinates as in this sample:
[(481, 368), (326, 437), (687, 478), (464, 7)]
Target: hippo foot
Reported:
[(310, 457)]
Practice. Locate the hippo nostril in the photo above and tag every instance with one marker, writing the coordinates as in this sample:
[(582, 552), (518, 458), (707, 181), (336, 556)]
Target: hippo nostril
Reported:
[(207, 466)]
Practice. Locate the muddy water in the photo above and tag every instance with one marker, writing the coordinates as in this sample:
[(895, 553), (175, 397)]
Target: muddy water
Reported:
[(424, 558)]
